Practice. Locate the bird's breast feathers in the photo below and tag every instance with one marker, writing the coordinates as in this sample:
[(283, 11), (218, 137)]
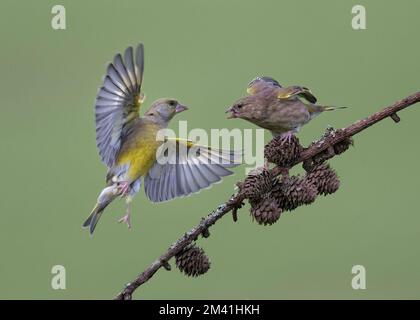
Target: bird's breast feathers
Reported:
[(139, 151)]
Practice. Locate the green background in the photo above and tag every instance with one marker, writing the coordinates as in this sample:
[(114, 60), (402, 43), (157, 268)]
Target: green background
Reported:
[(204, 53)]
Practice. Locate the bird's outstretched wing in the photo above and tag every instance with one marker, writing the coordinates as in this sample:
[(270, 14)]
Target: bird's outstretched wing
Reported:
[(259, 84), (186, 169), (296, 91), (262, 83), (118, 102)]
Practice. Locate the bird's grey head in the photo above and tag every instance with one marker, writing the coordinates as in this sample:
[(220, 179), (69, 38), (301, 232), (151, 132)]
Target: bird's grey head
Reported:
[(260, 83), (163, 110)]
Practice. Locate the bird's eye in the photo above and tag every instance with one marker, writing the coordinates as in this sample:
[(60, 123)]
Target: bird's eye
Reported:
[(239, 106), (172, 103)]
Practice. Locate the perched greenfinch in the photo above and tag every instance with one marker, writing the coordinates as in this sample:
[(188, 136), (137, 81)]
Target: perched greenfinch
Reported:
[(128, 144), (277, 109)]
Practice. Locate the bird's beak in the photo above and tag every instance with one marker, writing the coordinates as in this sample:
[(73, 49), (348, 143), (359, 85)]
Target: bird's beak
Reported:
[(179, 108), (232, 113)]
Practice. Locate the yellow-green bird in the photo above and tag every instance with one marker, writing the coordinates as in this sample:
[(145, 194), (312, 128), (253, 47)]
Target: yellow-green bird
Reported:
[(129, 145), (277, 109)]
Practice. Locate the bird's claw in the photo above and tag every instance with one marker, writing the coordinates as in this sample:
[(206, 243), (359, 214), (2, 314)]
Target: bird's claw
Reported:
[(126, 219), (123, 188), (287, 137)]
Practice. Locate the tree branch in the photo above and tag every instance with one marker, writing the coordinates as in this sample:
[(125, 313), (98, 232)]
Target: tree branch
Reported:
[(317, 152)]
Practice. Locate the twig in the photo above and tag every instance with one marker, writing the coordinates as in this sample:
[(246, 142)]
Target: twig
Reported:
[(317, 152)]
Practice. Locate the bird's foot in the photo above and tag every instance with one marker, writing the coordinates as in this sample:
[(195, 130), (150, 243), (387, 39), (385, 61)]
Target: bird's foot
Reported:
[(287, 137), (123, 188), (126, 219)]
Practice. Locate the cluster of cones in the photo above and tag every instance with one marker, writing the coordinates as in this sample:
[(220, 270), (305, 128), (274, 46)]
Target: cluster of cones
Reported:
[(269, 196)]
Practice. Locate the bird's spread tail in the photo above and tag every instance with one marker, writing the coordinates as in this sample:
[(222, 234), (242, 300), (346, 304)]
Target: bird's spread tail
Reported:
[(93, 218), (106, 196)]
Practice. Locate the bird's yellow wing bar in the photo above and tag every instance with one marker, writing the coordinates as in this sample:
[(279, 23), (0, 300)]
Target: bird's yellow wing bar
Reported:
[(294, 91), (188, 143), (118, 101)]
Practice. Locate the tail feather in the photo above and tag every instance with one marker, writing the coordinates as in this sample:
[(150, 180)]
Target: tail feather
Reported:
[(87, 222), (94, 220), (105, 198), (94, 217), (331, 108)]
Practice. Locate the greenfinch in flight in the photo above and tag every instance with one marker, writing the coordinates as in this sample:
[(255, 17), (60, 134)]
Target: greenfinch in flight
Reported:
[(129, 146), (277, 109)]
